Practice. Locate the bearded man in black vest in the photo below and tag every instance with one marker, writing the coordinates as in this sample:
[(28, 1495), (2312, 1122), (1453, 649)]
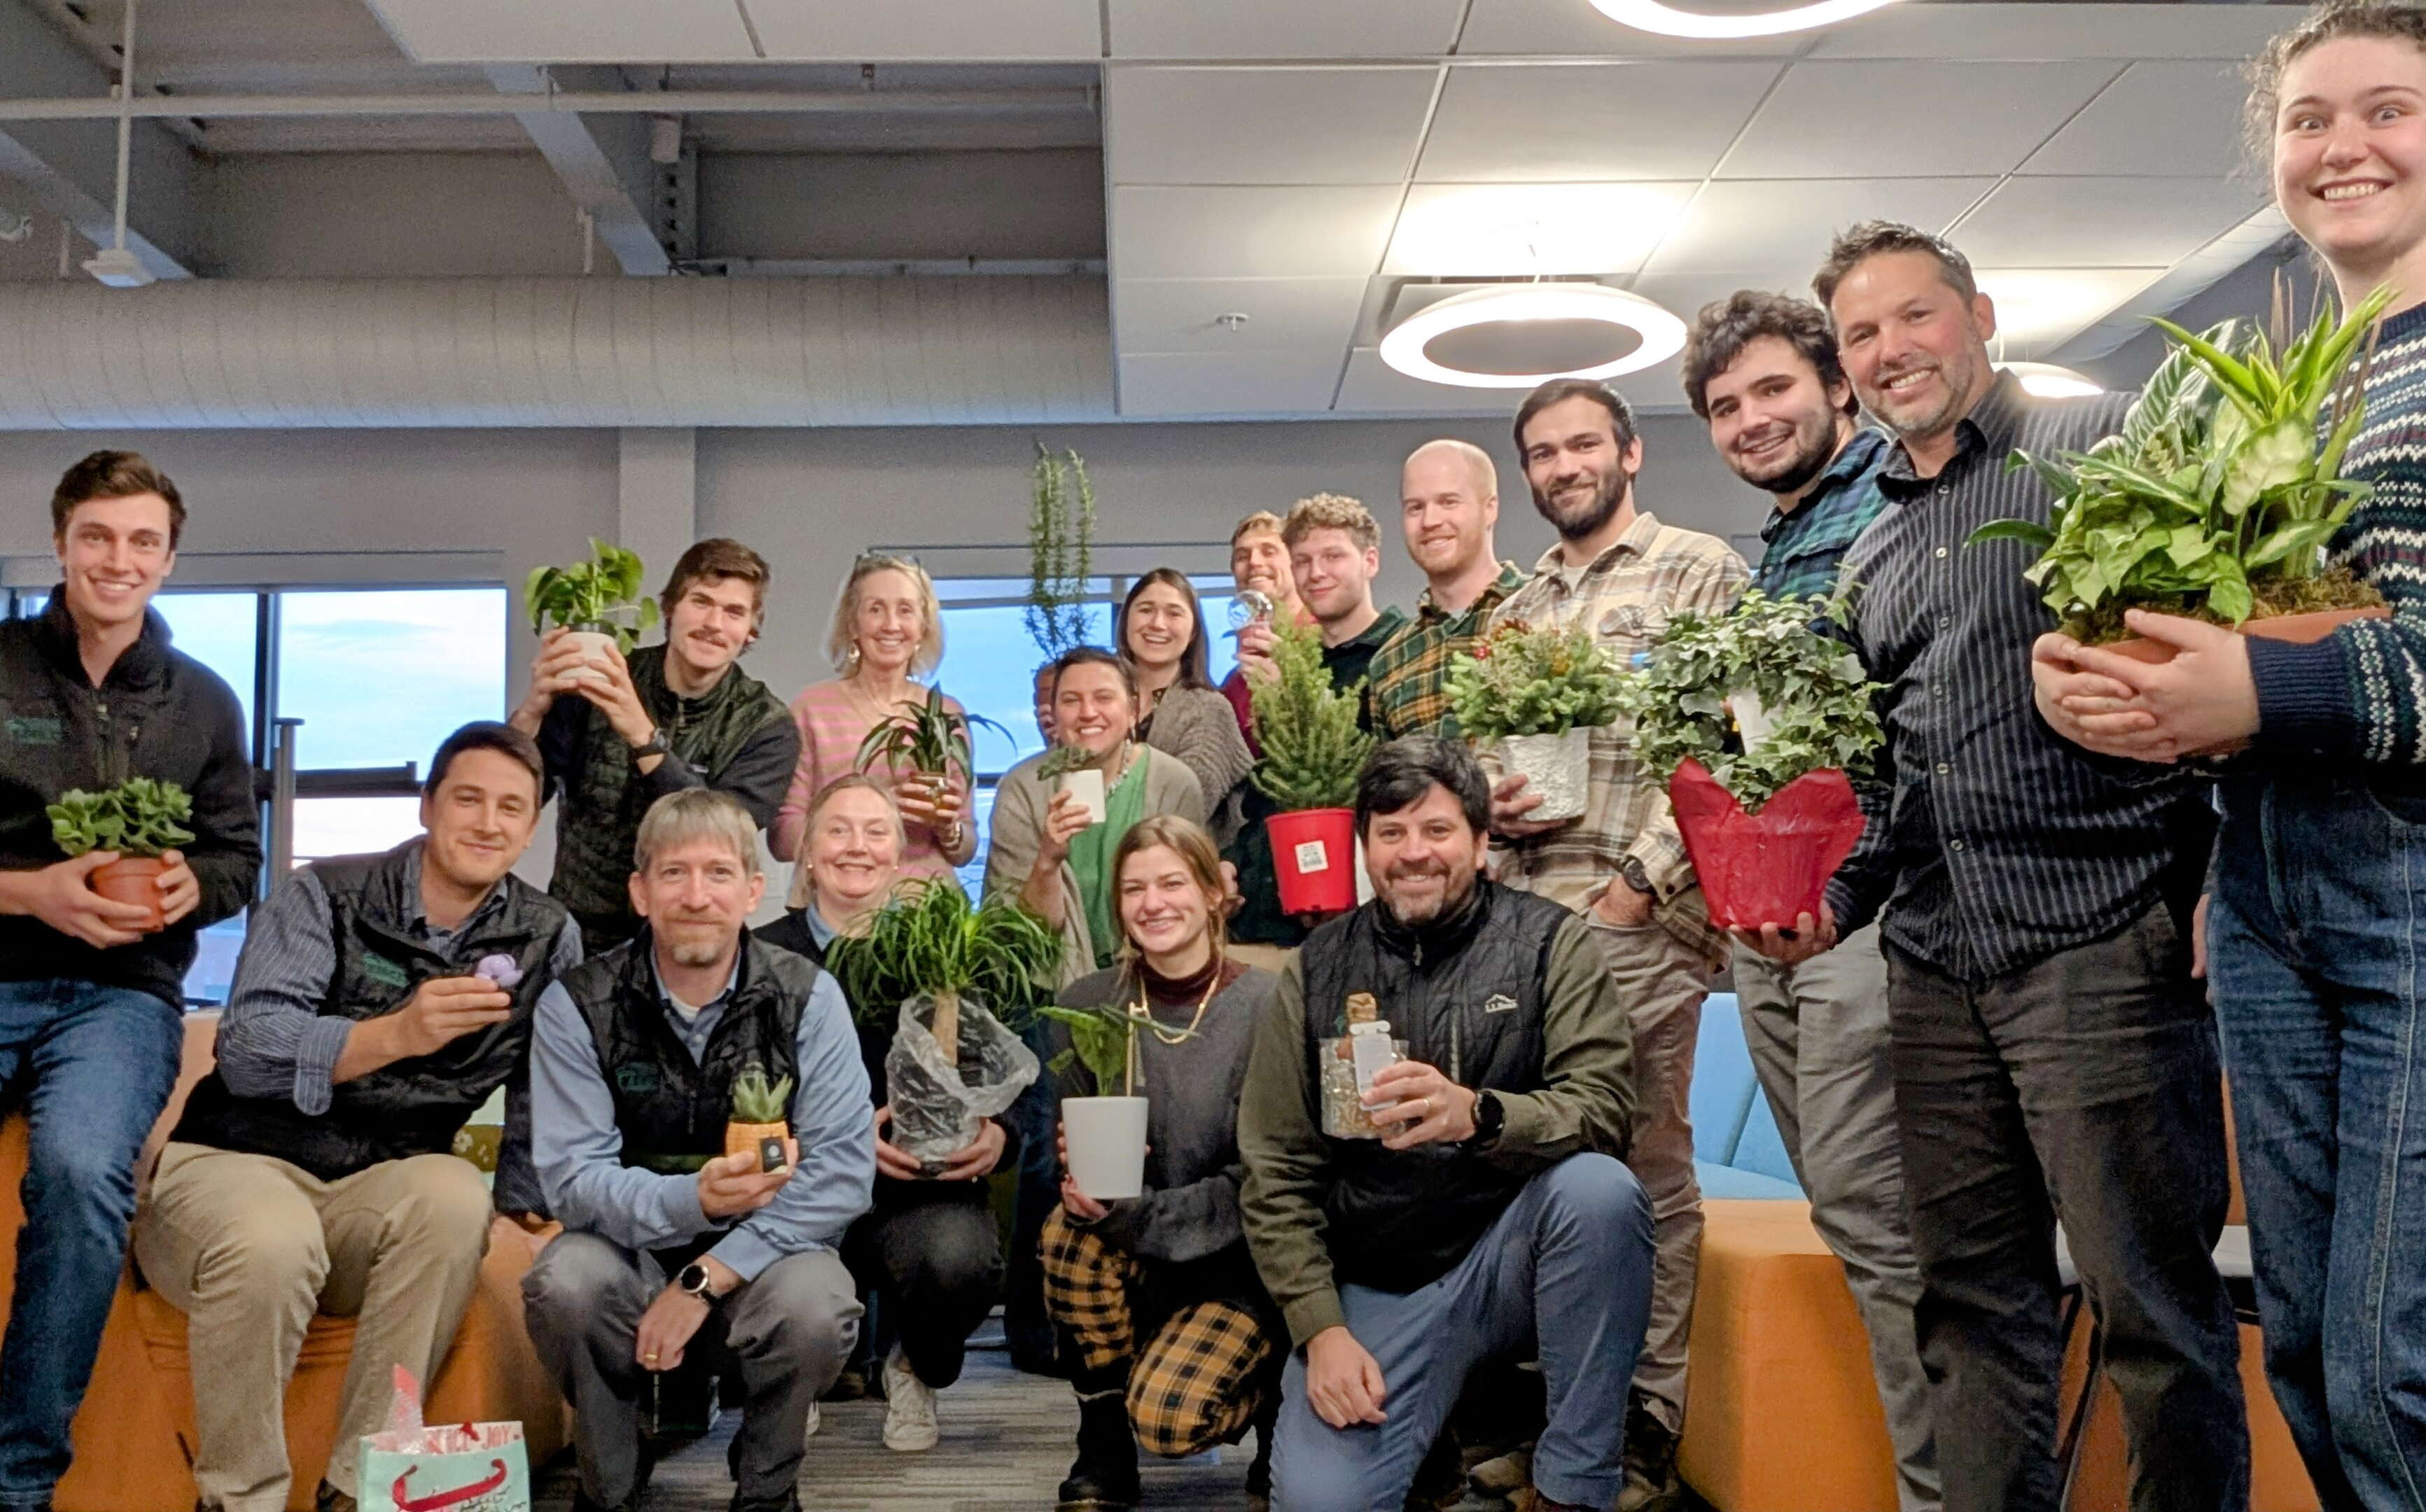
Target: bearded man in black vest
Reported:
[(673, 1248), (1492, 1218), (379, 1002)]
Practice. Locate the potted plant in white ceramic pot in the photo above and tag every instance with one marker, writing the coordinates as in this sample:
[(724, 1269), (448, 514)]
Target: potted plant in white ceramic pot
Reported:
[(599, 603), (1104, 1133), (1537, 694)]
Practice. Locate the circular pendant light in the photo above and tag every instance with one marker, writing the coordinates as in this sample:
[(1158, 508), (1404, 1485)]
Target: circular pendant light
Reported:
[(1527, 333), (1654, 16)]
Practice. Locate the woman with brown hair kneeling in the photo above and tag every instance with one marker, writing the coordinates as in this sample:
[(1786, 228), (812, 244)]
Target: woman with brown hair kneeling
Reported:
[(1172, 1343)]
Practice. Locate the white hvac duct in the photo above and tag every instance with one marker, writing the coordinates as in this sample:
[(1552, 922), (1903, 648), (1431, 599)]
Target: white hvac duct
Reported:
[(541, 352)]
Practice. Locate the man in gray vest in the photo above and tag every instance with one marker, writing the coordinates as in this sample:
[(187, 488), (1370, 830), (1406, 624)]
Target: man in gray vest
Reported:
[(673, 1247), (1492, 1211), (379, 1002)]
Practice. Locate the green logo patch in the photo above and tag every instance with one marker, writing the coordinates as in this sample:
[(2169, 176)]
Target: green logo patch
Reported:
[(639, 1076), (27, 730), (385, 972)]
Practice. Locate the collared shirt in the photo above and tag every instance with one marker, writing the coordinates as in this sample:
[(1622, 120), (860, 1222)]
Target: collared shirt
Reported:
[(1624, 597), (1407, 691), (579, 1149), (1807, 546), (1992, 841), (1351, 660)]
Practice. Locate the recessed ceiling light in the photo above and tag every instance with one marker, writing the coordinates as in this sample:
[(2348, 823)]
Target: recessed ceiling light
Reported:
[(1650, 15), (2048, 382), (2040, 308), (1528, 333), (1531, 231)]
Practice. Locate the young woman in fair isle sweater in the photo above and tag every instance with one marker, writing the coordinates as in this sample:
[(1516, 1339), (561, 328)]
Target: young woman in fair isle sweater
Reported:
[(2316, 914)]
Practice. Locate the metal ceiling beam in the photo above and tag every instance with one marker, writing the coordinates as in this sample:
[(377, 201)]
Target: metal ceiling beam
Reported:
[(69, 163), (668, 101), (603, 161)]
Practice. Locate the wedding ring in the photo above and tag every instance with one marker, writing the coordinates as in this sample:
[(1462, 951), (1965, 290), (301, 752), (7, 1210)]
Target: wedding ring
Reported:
[(1428, 1107), (651, 1357)]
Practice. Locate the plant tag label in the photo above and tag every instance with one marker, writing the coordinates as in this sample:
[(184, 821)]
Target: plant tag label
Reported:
[(771, 1154), (1311, 856)]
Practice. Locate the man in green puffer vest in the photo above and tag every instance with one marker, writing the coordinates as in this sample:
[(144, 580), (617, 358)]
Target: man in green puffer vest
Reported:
[(664, 718)]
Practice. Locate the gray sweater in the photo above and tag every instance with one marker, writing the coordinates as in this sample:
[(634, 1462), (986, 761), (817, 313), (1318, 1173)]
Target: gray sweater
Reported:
[(1190, 1207)]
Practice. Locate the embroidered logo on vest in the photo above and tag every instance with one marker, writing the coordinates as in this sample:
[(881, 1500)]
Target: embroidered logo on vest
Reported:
[(27, 730), (1499, 1003), (383, 971), (639, 1076)]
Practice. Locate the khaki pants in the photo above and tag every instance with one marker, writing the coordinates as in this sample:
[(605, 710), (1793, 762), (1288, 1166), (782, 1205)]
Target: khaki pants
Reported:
[(249, 1247), (1661, 980)]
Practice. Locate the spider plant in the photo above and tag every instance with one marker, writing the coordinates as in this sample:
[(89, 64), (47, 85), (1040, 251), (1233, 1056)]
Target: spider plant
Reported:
[(601, 594), (928, 941), (930, 737)]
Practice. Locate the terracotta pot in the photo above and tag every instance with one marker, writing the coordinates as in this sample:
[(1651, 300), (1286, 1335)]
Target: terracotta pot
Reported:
[(1314, 852), (1769, 867), (2291, 628), (135, 881)]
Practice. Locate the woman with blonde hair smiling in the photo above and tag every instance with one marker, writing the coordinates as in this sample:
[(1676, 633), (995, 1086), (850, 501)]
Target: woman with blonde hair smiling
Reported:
[(888, 633)]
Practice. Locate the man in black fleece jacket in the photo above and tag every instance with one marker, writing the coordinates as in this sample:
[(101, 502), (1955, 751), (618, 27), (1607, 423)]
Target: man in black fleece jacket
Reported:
[(91, 694)]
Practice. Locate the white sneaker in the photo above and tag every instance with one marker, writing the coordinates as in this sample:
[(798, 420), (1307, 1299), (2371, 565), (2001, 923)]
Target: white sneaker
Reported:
[(909, 1409), (813, 1423)]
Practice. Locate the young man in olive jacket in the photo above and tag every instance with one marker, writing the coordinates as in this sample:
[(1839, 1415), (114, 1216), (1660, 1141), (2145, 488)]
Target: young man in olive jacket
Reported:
[(1494, 1210), (90, 999)]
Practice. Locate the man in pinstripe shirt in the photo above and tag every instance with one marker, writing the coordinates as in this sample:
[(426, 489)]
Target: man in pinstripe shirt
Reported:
[(2051, 1050)]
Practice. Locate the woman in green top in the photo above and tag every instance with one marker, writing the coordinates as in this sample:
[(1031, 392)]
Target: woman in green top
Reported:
[(1045, 847)]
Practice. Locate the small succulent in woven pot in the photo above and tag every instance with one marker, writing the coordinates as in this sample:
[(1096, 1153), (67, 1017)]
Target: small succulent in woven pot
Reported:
[(761, 1119)]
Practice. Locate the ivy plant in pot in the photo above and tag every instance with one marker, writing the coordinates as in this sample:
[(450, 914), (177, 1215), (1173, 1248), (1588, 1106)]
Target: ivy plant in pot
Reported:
[(2216, 497), (930, 741), (1106, 1132), (1766, 807), (960, 981), (599, 603), (1539, 694), (1312, 751), (141, 820)]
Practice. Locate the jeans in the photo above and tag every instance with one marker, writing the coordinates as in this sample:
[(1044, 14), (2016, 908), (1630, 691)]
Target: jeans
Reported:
[(2084, 1086), (1566, 1271), (2314, 937), (933, 1261), (93, 1066)]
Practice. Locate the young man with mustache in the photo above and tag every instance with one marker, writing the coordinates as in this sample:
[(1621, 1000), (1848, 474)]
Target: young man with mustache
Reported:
[(1620, 574), (1448, 503), (1762, 370), (2050, 1048), (666, 719)]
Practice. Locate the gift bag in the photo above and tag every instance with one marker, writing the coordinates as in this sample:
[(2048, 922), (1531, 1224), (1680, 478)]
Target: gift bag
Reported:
[(939, 1101), (1771, 866), (461, 1467)]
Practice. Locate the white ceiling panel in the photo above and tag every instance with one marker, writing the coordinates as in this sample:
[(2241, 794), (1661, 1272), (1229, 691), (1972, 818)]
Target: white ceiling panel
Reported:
[(1572, 28), (854, 31), (1504, 230), (1191, 125), (2157, 119), (2037, 308), (1249, 233), (1748, 225), (1183, 314), (1283, 28), (1240, 383), (1587, 122), (596, 31), (1975, 28), (2112, 222), (1895, 121)]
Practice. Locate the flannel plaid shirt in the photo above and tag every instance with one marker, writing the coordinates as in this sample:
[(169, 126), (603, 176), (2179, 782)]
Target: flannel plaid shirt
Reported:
[(1624, 595), (1407, 684), (1806, 547)]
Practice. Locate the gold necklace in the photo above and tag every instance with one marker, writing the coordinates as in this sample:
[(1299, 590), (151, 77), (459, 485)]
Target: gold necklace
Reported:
[(1142, 1009)]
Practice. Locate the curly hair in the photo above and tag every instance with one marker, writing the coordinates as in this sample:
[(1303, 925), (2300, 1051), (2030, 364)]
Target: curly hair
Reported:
[(2329, 21), (1725, 326), (1332, 511), (1876, 238)]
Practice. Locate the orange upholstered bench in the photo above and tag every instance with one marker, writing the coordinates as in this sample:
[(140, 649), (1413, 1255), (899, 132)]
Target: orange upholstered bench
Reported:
[(135, 1435)]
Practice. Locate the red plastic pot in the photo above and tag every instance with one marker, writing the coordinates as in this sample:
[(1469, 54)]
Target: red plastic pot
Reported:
[(1769, 867), (135, 881), (1314, 852)]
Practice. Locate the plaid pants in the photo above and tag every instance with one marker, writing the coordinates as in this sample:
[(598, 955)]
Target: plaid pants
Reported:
[(1200, 1378)]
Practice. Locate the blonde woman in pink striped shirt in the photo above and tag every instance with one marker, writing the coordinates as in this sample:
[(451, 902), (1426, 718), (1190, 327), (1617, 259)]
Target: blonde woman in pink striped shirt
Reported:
[(887, 632)]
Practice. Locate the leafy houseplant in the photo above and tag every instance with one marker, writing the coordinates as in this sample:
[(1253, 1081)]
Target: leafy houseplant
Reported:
[(2216, 498), (599, 600), (761, 1111), (1539, 692), (929, 740), (140, 819), (1060, 551), (1312, 751), (1767, 810)]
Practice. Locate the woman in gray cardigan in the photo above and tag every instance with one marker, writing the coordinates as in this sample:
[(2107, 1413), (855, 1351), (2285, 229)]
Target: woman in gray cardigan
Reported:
[(1172, 1341), (1161, 634)]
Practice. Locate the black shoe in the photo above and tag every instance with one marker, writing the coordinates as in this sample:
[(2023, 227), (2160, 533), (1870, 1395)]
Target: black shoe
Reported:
[(329, 1499), (789, 1502), (851, 1385), (1651, 1483), (582, 1502), (1104, 1478)]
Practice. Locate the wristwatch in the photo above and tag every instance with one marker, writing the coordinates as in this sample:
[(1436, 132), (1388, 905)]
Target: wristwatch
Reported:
[(655, 747), (1638, 876), (694, 1279), (1490, 1117)]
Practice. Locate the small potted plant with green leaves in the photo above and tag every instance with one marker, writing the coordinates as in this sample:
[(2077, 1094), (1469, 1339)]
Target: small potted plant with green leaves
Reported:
[(960, 981), (1104, 1133), (1538, 694), (1312, 751), (140, 820), (1071, 769), (599, 603), (1766, 807), (929, 743), (761, 1122)]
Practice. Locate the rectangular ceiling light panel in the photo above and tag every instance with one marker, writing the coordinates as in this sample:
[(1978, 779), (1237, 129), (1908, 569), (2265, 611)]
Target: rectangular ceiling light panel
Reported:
[(551, 31)]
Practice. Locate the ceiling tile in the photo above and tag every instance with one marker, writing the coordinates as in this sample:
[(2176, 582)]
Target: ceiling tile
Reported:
[(606, 31), (1745, 225), (1239, 383), (2115, 222), (1179, 315), (1587, 122), (1977, 29), (1249, 233), (2038, 309), (1683, 294), (854, 31), (1572, 28), (2157, 119), (1190, 125), (1283, 28), (1895, 120), (1501, 230)]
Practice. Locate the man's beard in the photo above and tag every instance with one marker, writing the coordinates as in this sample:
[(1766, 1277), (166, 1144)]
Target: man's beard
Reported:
[(1955, 387), (1456, 887), (1607, 496), (1807, 461), (694, 950)]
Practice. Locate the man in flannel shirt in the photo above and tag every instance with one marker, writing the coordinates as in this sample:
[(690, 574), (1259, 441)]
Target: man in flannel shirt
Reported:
[(1762, 370), (1448, 501)]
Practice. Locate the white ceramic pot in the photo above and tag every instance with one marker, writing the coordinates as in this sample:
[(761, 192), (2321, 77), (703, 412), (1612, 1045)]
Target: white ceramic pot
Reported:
[(1559, 767), (1106, 1140), (597, 649), (1088, 785)]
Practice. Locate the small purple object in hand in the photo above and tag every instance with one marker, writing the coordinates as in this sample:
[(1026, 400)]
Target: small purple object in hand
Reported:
[(500, 968)]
